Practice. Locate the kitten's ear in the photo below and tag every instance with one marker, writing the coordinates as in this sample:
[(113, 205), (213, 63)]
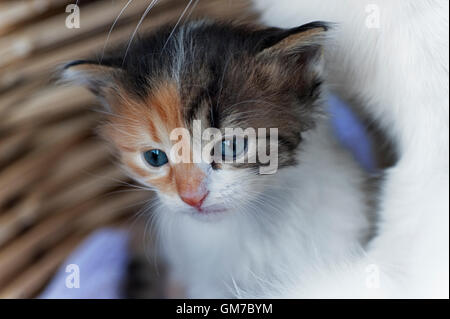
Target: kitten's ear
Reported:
[(302, 43), (101, 79)]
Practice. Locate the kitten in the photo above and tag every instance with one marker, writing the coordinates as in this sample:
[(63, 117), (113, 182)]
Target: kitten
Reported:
[(227, 227), (392, 58)]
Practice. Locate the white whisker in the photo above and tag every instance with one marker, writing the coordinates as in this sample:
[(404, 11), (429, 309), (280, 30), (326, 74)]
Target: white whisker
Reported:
[(150, 6), (176, 25), (192, 9), (112, 28)]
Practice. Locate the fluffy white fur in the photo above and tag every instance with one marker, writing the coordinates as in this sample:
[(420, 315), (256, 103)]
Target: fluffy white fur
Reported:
[(304, 218), (399, 73)]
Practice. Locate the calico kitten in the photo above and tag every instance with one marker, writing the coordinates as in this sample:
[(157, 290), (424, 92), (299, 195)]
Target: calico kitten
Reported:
[(225, 227)]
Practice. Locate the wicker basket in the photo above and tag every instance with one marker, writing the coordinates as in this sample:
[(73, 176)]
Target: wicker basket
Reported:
[(57, 180)]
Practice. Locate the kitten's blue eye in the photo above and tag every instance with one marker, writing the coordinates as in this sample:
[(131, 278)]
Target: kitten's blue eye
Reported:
[(156, 158), (233, 148)]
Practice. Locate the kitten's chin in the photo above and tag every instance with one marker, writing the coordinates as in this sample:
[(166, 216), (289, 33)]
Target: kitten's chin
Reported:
[(209, 214)]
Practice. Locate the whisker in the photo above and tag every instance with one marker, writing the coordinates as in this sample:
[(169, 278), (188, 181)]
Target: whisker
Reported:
[(176, 25), (150, 229), (148, 206), (150, 6), (112, 28), (120, 182), (192, 9), (121, 191), (222, 79)]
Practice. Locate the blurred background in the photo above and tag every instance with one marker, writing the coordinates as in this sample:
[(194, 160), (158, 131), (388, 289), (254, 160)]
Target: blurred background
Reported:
[(58, 183)]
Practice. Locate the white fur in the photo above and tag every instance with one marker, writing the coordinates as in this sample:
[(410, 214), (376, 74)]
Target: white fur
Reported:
[(399, 73), (303, 218)]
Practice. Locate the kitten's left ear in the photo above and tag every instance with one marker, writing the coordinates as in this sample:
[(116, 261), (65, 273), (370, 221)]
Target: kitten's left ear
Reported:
[(102, 79), (302, 43), (91, 74)]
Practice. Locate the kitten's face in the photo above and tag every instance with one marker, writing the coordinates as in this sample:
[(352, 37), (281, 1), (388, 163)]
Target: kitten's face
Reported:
[(222, 77)]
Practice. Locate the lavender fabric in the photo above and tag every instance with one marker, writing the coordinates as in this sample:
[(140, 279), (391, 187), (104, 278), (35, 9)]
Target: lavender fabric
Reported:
[(100, 263), (351, 133), (103, 257)]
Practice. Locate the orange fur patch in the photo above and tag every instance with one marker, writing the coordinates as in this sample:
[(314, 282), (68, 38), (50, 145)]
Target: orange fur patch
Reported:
[(133, 120), (135, 124), (165, 184), (166, 103), (136, 169)]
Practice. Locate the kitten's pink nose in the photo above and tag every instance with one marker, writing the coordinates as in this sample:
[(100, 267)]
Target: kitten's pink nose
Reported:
[(190, 182), (194, 199)]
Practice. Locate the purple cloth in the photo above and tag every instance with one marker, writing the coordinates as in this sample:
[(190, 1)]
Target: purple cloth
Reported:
[(95, 270), (351, 133)]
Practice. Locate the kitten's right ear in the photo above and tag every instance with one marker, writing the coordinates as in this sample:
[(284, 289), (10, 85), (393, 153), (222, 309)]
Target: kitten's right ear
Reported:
[(302, 44), (101, 79)]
